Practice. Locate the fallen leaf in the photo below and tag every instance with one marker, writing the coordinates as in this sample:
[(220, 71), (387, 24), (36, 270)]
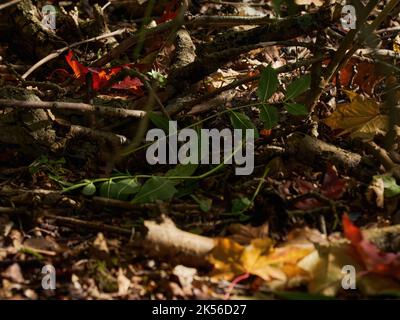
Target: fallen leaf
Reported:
[(324, 267), (101, 77), (396, 44), (358, 73), (332, 187), (361, 117), (317, 3), (375, 260), (259, 258), (128, 83), (13, 273)]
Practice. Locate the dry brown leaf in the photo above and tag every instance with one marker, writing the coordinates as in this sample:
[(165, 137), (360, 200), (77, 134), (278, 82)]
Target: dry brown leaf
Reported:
[(361, 117)]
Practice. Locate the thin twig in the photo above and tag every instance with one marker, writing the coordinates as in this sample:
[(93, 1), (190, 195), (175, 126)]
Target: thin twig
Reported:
[(58, 52), (8, 4)]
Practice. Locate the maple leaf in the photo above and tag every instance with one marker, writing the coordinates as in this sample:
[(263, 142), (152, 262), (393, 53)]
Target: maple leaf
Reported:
[(101, 77), (361, 117), (259, 258), (374, 259)]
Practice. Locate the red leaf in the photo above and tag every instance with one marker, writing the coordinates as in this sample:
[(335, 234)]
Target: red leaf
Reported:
[(101, 77), (374, 259), (351, 232), (332, 186), (170, 12), (129, 83), (80, 70)]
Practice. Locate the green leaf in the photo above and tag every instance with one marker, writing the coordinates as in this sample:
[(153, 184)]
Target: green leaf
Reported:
[(241, 121), (105, 189), (126, 188), (391, 188), (241, 204), (297, 87), (159, 121), (156, 188), (182, 170), (268, 84), (269, 116), (120, 190), (296, 109), (89, 189)]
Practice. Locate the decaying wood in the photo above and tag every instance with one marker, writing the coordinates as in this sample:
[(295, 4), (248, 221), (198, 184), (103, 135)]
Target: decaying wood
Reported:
[(165, 239), (309, 149)]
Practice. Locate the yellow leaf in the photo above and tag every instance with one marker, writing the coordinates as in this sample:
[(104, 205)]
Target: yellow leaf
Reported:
[(259, 258), (317, 3), (325, 267), (226, 259), (361, 117), (396, 44), (255, 262)]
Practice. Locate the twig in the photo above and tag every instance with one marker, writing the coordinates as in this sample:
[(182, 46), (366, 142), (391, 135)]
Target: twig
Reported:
[(82, 107), (135, 38), (58, 52), (89, 225), (345, 45), (8, 4), (175, 108)]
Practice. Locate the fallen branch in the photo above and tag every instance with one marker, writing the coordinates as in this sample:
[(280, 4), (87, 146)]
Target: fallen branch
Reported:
[(82, 107), (309, 149)]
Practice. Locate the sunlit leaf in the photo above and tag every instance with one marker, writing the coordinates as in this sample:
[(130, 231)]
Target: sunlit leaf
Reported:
[(361, 117)]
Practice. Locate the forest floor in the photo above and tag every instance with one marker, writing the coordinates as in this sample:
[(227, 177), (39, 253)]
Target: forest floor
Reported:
[(85, 215)]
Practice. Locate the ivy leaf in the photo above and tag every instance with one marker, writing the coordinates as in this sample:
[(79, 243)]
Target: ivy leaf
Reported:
[(269, 116), (156, 188), (296, 109), (89, 189), (297, 87), (268, 83), (241, 121)]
